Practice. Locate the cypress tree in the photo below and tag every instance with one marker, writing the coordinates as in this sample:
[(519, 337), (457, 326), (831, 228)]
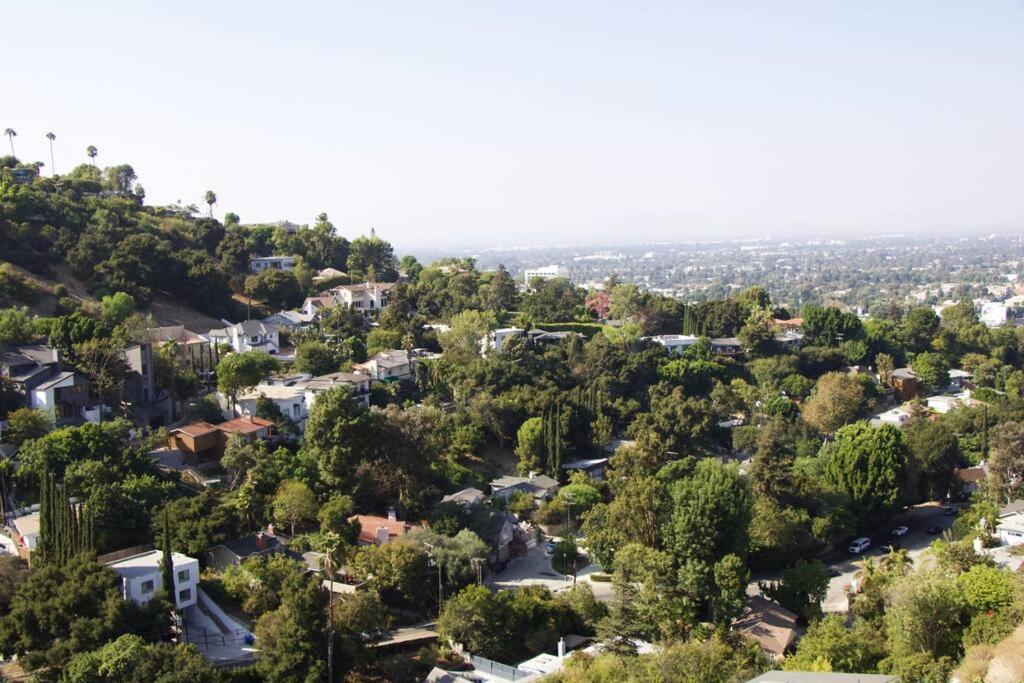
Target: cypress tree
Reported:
[(45, 529), (167, 563)]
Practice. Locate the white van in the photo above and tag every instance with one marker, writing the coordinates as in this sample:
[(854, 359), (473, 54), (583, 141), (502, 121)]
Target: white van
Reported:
[(859, 545)]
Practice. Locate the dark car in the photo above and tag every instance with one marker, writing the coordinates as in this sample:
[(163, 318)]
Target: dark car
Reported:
[(832, 572), (890, 548), (934, 530)]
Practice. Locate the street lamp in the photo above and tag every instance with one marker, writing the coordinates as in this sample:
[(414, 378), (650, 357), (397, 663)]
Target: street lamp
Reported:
[(432, 562)]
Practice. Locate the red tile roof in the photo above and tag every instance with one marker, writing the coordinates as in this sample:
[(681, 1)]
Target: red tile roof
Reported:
[(244, 425), (196, 429), (368, 525)]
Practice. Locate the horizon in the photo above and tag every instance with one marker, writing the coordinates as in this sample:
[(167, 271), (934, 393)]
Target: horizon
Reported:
[(546, 126)]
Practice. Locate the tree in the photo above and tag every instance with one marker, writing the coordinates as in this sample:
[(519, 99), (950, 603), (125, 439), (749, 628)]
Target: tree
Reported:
[(91, 152), (16, 326), (130, 659), (731, 578), (530, 444), (926, 613), (835, 402), (13, 573), (25, 424), (473, 618), (53, 167), (829, 326), (462, 342), (801, 588), (829, 645), (932, 371), (11, 134), (1006, 461), (935, 454), (499, 295), (709, 515), (885, 365), (104, 363), (116, 308), (210, 198), (291, 637), (338, 435), (372, 256), (277, 288), (867, 464), (238, 372), (316, 358), (294, 504)]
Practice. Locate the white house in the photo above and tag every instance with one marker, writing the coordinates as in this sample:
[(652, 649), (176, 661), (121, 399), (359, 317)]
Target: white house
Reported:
[(289, 320), (366, 298), (358, 386), (898, 416), (64, 395), (250, 335), (1011, 529), (261, 263), (387, 365), (141, 577), (542, 272), (675, 344), (496, 340), (994, 314), (290, 399)]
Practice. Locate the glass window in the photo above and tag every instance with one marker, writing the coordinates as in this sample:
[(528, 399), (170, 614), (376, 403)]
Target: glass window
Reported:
[(183, 575), (147, 587), (185, 595)]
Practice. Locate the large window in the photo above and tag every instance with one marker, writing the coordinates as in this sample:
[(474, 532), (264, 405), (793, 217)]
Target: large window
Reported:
[(147, 587), (184, 595), (183, 576)]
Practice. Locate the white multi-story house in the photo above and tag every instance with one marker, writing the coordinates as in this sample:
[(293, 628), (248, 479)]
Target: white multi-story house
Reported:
[(543, 272), (357, 385), (251, 335), (291, 400), (675, 344), (389, 365), (260, 263), (495, 340), (141, 577), (367, 298)]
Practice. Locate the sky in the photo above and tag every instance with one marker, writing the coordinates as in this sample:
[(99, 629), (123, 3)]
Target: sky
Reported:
[(483, 123)]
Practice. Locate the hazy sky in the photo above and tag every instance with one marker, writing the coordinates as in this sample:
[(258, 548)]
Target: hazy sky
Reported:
[(478, 123)]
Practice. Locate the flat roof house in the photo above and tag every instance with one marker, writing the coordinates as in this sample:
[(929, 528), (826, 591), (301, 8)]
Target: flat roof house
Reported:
[(141, 577), (260, 263), (386, 366), (540, 486), (1011, 529)]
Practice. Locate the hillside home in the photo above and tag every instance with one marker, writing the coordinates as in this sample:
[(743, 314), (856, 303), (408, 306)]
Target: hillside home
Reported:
[(194, 350), (468, 498), (141, 577), (258, 264), (542, 272), (202, 440), (592, 467), (386, 366), (540, 486), (148, 403), (904, 381), (291, 321), (769, 624), (959, 379), (290, 400), (495, 340), (1010, 529), (36, 373), (26, 534), (675, 344), (790, 340), (368, 298), (376, 530), (237, 550), (971, 478), (250, 335), (729, 347), (358, 386)]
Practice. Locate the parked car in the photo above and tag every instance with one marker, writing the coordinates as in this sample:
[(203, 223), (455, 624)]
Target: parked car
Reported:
[(859, 545), (832, 572), (900, 531), (890, 548), (934, 530)]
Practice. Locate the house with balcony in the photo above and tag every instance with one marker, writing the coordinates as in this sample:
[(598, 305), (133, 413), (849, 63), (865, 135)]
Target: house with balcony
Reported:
[(675, 344), (250, 335), (36, 373), (142, 578), (257, 264), (368, 298), (358, 386)]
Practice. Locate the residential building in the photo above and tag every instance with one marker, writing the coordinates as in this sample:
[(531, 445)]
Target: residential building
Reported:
[(904, 381), (540, 486), (769, 624), (290, 400), (386, 366), (592, 467), (358, 386), (543, 272), (26, 534), (195, 350), (148, 403), (368, 297), (971, 478), (495, 340), (260, 263), (675, 344), (790, 324), (822, 677), (994, 314), (1010, 529), (468, 498), (36, 373), (292, 321), (202, 440), (141, 577), (237, 550), (959, 379), (250, 335), (729, 347), (898, 416), (329, 274), (790, 340), (505, 537), (376, 530)]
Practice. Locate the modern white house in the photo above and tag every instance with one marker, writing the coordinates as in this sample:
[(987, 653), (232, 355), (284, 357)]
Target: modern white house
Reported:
[(250, 335), (675, 344), (260, 263), (141, 577), (65, 395), (290, 399), (541, 272), (386, 366), (495, 340)]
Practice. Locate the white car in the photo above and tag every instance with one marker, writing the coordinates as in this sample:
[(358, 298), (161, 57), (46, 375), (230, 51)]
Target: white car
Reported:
[(859, 545), (900, 531)]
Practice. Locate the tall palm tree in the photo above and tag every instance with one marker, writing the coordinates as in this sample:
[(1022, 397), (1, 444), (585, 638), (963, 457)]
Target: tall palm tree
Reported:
[(92, 152), (53, 168), (9, 132), (867, 575), (210, 199), (897, 562)]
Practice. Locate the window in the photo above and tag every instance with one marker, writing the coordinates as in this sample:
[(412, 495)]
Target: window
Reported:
[(254, 340), (184, 595), (183, 576), (295, 410), (147, 587)]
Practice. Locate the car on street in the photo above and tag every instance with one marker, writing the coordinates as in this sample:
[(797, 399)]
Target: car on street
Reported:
[(900, 531), (934, 530), (859, 545), (832, 572), (892, 547)]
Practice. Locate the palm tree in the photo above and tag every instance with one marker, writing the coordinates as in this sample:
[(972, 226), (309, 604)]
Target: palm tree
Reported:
[(92, 152), (867, 575), (897, 562), (53, 168), (210, 199), (9, 132)]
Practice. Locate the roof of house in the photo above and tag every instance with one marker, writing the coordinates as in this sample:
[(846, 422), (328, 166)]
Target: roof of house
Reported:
[(584, 463), (972, 474), (364, 287), (791, 323), (821, 677), (347, 377), (368, 525), (769, 623), (244, 425), (27, 525), (145, 563), (470, 496), (1012, 522), (540, 481), (329, 273), (725, 341), (196, 429), (247, 546), (389, 359), (904, 373), (1012, 508), (959, 374), (175, 333), (273, 391), (65, 378)]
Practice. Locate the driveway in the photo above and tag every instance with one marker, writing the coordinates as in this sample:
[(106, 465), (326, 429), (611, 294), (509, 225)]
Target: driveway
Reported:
[(534, 569), (916, 542)]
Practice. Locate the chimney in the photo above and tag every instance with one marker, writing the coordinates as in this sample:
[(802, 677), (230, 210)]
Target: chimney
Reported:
[(392, 515), (261, 540), (382, 535), (561, 648), (270, 530)]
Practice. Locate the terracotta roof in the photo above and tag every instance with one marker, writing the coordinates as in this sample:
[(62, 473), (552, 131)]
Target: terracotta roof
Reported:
[(771, 625), (973, 474), (244, 425), (196, 429), (368, 525)]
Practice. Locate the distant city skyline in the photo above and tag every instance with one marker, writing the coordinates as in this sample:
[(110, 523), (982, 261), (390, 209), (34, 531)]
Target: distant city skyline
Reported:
[(461, 124)]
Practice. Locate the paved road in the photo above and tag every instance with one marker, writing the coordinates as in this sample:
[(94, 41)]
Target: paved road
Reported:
[(535, 568)]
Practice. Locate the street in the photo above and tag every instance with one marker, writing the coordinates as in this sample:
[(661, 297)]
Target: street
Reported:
[(535, 569)]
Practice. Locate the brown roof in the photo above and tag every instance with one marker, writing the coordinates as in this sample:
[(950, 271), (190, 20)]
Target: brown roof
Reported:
[(972, 474), (789, 324), (368, 525), (196, 429), (244, 425), (768, 623)]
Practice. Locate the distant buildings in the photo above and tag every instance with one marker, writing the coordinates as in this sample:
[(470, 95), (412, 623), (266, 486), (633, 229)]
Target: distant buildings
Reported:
[(258, 264), (250, 335), (542, 272)]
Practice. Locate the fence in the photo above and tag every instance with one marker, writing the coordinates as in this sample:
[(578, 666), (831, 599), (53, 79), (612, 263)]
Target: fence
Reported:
[(499, 670)]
